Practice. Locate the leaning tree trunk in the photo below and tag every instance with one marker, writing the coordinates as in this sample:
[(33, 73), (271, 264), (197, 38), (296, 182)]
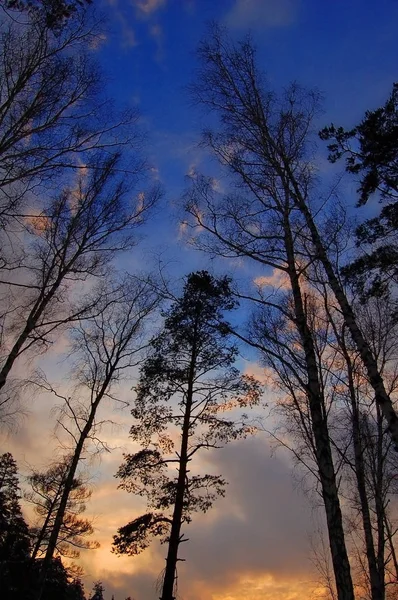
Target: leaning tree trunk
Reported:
[(381, 396), (324, 458)]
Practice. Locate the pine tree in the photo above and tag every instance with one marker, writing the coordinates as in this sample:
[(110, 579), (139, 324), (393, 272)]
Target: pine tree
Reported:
[(187, 383)]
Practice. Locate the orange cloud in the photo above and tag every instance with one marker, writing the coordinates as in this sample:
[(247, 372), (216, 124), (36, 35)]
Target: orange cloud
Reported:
[(278, 279)]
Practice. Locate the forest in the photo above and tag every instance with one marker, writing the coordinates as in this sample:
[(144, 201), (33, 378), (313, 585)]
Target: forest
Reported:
[(162, 373)]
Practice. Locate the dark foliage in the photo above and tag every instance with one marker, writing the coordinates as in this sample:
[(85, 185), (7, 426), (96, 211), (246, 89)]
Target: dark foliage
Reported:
[(187, 384), (19, 573), (55, 12), (371, 151)]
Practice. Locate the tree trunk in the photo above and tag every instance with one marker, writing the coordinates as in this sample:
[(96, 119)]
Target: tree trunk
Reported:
[(375, 575), (327, 476), (381, 396), (31, 322), (175, 535), (68, 486)]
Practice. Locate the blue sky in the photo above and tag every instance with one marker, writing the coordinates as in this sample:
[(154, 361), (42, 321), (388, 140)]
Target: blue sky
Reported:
[(252, 545), (347, 49)]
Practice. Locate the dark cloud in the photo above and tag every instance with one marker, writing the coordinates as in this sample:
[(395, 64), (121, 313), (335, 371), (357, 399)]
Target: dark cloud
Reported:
[(259, 530), (261, 525)]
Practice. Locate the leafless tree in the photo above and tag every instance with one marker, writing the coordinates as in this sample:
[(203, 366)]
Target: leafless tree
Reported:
[(265, 141), (262, 222), (72, 242), (105, 350), (53, 112)]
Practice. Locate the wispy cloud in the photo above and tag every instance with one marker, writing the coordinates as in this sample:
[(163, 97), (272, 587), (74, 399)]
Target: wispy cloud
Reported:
[(277, 280), (148, 7), (261, 14)]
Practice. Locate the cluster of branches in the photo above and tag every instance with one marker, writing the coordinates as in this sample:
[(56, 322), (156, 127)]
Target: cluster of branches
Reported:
[(69, 164), (326, 333), (308, 328)]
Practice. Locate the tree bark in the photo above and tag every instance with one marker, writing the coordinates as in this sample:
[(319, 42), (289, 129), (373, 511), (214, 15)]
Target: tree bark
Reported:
[(381, 396), (324, 458), (375, 575)]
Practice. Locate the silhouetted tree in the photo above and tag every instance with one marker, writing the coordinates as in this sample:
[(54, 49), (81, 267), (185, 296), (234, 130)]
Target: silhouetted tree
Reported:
[(262, 138), (265, 141), (187, 384), (53, 115), (54, 12), (47, 488), (98, 591), (105, 348), (77, 237), (14, 535)]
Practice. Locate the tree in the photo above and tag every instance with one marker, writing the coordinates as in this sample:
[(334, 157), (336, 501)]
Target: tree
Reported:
[(265, 142), (104, 349), (67, 162), (79, 234), (98, 591), (55, 12), (187, 383), (371, 151), (46, 492), (262, 139), (15, 568), (52, 114), (14, 533)]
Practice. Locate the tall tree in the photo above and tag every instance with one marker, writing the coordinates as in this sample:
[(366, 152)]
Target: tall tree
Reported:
[(187, 384), (105, 348), (262, 138), (74, 240), (265, 141), (14, 533), (15, 568)]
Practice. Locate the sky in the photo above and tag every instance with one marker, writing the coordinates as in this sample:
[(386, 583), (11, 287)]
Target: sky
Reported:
[(255, 543)]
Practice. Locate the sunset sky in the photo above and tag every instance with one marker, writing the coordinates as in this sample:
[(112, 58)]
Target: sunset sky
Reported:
[(256, 542)]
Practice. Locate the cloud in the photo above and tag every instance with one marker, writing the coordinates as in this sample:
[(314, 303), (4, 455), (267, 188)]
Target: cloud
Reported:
[(251, 544), (278, 279), (148, 7), (261, 14), (259, 528)]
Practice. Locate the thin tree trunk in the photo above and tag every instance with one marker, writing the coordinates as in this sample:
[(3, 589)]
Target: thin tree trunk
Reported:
[(375, 575), (175, 535), (327, 476), (45, 526), (376, 380), (379, 499), (389, 536), (59, 518), (31, 322)]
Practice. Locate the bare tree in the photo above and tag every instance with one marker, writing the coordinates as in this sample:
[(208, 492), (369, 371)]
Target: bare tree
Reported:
[(73, 241), (266, 142), (105, 348), (53, 113), (263, 224)]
